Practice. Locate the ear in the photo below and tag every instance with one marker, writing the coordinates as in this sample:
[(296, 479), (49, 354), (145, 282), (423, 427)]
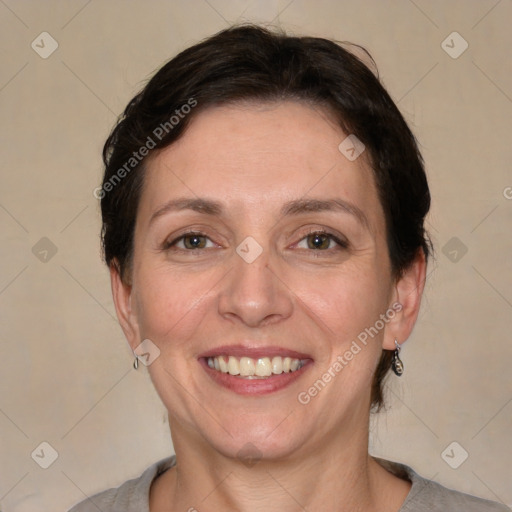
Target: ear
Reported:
[(406, 301), (122, 295)]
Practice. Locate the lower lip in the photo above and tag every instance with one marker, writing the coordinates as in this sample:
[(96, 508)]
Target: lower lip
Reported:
[(244, 386)]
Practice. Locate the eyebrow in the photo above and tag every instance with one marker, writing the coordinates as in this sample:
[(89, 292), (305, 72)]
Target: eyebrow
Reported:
[(205, 206), (300, 206), (294, 207)]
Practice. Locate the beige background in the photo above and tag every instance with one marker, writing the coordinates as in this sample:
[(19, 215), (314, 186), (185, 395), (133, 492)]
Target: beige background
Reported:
[(66, 374)]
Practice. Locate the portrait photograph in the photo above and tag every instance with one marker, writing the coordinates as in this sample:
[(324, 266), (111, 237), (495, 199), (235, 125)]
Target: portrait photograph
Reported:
[(256, 256)]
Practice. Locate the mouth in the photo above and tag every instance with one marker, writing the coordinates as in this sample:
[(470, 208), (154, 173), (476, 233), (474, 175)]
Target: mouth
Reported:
[(249, 368), (249, 371)]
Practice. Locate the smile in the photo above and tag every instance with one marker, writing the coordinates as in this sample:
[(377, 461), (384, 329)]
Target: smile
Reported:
[(249, 368)]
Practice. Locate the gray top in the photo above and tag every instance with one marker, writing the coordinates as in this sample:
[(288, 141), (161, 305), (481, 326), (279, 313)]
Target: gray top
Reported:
[(424, 496)]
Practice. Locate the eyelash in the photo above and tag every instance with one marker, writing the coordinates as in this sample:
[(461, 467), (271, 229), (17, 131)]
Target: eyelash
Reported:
[(343, 244), (167, 245)]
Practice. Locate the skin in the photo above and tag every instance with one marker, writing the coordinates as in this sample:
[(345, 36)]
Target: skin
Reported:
[(253, 159)]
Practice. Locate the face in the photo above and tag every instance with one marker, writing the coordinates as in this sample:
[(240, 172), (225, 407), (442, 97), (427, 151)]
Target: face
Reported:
[(257, 238)]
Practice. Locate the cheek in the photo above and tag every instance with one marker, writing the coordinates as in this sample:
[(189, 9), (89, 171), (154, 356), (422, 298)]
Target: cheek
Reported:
[(346, 300), (171, 305)]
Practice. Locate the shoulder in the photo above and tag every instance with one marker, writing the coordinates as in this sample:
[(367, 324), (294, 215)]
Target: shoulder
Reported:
[(428, 496), (436, 498), (132, 495)]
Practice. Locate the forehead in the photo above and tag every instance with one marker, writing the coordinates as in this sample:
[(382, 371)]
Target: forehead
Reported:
[(259, 154)]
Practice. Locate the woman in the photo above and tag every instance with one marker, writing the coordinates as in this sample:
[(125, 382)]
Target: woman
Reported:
[(263, 222)]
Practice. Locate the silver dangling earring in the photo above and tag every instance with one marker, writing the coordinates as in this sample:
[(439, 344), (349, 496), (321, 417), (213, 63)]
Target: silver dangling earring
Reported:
[(396, 364), (136, 363)]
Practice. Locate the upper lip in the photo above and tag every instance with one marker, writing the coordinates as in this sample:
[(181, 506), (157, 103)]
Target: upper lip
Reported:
[(254, 352)]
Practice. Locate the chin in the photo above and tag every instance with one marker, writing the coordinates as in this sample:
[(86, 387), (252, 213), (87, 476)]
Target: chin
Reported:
[(257, 437)]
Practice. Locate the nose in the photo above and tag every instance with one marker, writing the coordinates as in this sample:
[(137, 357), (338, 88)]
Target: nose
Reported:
[(254, 293)]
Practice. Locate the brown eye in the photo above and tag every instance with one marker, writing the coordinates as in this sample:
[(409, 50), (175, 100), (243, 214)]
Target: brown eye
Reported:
[(322, 241), (189, 241), (194, 241), (319, 241)]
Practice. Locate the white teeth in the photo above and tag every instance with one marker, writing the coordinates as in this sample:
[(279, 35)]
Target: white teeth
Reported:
[(263, 367), (277, 365), (223, 365), (233, 366), (247, 367)]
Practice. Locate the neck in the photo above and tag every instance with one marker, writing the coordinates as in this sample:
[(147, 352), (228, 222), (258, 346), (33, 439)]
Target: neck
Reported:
[(312, 478)]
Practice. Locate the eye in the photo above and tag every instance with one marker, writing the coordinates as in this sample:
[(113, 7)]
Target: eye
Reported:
[(321, 240), (190, 241)]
